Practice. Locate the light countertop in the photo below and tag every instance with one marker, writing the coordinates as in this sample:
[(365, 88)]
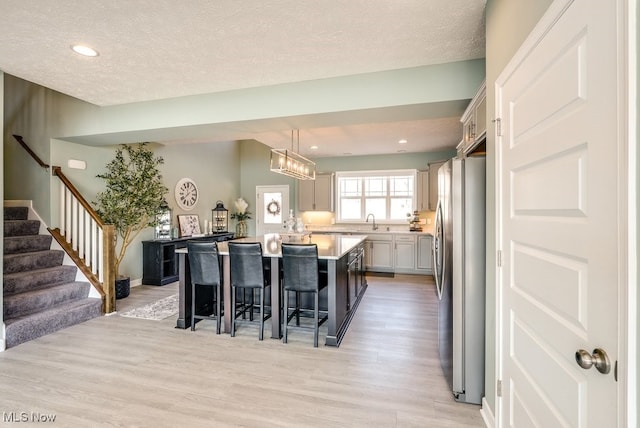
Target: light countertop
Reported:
[(330, 246), (369, 231)]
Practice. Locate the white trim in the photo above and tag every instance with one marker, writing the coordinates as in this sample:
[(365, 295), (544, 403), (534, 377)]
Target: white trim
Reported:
[(498, 240), (630, 109), (487, 416), (19, 203), (3, 343), (376, 173)]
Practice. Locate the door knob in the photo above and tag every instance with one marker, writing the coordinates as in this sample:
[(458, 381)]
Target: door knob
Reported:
[(599, 358)]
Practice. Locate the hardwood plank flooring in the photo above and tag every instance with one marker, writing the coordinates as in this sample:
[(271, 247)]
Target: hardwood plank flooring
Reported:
[(118, 371)]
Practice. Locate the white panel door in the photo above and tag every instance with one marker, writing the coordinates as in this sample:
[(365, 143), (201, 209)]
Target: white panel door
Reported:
[(560, 220), (273, 208)]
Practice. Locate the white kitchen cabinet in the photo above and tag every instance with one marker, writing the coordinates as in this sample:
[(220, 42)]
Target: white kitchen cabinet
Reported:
[(433, 184), (423, 191), (316, 195), (474, 122), (425, 254), (404, 253), (379, 253)]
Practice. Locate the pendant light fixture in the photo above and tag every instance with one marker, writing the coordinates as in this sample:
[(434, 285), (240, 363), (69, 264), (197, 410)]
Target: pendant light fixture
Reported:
[(292, 164)]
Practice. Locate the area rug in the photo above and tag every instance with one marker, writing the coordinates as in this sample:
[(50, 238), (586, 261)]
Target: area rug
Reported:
[(158, 310)]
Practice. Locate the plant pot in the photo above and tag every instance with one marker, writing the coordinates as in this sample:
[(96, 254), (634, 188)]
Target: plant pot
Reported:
[(123, 287)]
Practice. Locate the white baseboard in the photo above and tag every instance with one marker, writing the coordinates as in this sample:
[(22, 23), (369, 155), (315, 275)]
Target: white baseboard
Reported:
[(18, 203), (3, 343), (487, 414)]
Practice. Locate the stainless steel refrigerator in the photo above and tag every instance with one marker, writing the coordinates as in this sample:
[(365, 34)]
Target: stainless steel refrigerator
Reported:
[(459, 265)]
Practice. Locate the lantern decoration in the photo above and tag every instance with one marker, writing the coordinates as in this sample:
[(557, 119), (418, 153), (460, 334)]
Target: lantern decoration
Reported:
[(219, 218), (163, 221)]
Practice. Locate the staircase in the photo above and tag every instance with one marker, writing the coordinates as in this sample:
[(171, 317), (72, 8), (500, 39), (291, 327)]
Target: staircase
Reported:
[(41, 294)]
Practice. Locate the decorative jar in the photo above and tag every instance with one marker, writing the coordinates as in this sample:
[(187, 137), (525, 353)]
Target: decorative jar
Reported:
[(241, 229)]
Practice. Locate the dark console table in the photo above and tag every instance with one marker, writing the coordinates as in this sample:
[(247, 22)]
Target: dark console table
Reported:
[(160, 264)]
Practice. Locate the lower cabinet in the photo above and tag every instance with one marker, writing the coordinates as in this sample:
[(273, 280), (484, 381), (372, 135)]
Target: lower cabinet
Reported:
[(379, 253), (399, 253), (159, 261), (425, 255), (405, 253)]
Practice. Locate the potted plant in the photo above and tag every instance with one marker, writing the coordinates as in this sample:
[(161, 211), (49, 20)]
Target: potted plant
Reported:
[(133, 196), (242, 215)]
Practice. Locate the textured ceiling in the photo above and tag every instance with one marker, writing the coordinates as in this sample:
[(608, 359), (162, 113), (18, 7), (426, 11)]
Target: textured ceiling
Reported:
[(156, 49)]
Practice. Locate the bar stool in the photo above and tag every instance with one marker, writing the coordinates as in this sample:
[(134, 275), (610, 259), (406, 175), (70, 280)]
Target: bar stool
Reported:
[(302, 275), (204, 264), (247, 272)]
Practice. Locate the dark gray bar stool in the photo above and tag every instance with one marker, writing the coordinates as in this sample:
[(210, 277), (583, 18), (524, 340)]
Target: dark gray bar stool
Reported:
[(247, 272), (204, 263), (301, 274)]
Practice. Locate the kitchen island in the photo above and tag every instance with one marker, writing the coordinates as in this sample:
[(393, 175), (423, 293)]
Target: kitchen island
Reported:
[(344, 259)]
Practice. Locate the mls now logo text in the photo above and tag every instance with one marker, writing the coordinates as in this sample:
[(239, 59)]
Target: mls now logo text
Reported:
[(27, 417)]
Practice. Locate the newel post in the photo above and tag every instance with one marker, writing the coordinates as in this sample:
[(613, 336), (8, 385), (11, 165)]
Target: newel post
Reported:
[(109, 258)]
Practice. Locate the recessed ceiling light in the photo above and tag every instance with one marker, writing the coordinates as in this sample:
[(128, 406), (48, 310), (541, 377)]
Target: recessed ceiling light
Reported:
[(403, 141), (314, 147), (84, 50)]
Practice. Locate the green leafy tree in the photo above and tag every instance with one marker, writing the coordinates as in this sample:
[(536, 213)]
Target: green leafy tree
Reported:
[(133, 195)]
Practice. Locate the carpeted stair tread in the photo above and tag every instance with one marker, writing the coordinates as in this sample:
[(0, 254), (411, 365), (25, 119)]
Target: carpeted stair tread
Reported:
[(40, 294), (36, 279), (21, 227), (26, 244), (28, 327), (20, 304), (16, 213), (33, 260)]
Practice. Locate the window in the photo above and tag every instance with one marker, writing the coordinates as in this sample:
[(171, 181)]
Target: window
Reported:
[(388, 195)]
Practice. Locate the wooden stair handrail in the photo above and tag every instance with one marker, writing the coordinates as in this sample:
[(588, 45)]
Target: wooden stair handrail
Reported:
[(106, 289), (28, 149), (107, 293), (57, 171)]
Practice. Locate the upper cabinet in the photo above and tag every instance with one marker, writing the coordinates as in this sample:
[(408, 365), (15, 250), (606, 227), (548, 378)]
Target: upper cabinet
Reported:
[(316, 195), (474, 122), (428, 187), (423, 191), (433, 184)]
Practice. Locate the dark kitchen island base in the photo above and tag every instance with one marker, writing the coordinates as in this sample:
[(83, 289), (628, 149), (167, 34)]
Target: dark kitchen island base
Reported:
[(344, 256)]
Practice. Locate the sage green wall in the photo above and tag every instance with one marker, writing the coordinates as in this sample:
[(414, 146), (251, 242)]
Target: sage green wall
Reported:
[(255, 169), (38, 114), (215, 168), (168, 119), (255, 172), (508, 23), (376, 162)]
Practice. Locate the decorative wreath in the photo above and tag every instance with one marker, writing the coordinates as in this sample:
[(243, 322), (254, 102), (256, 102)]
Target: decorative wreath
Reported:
[(273, 208)]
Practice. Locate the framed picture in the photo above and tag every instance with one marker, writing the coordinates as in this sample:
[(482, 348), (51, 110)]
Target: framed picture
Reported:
[(189, 224)]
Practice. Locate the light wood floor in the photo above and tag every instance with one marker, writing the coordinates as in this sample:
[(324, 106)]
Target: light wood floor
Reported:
[(117, 371)]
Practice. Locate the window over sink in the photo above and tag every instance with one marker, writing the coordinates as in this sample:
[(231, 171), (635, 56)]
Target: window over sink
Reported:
[(388, 195)]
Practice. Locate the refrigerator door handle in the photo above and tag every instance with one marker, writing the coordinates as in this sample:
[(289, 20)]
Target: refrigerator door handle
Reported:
[(438, 250)]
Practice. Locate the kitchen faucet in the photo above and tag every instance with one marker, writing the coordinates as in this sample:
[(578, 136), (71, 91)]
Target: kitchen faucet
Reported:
[(374, 221)]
